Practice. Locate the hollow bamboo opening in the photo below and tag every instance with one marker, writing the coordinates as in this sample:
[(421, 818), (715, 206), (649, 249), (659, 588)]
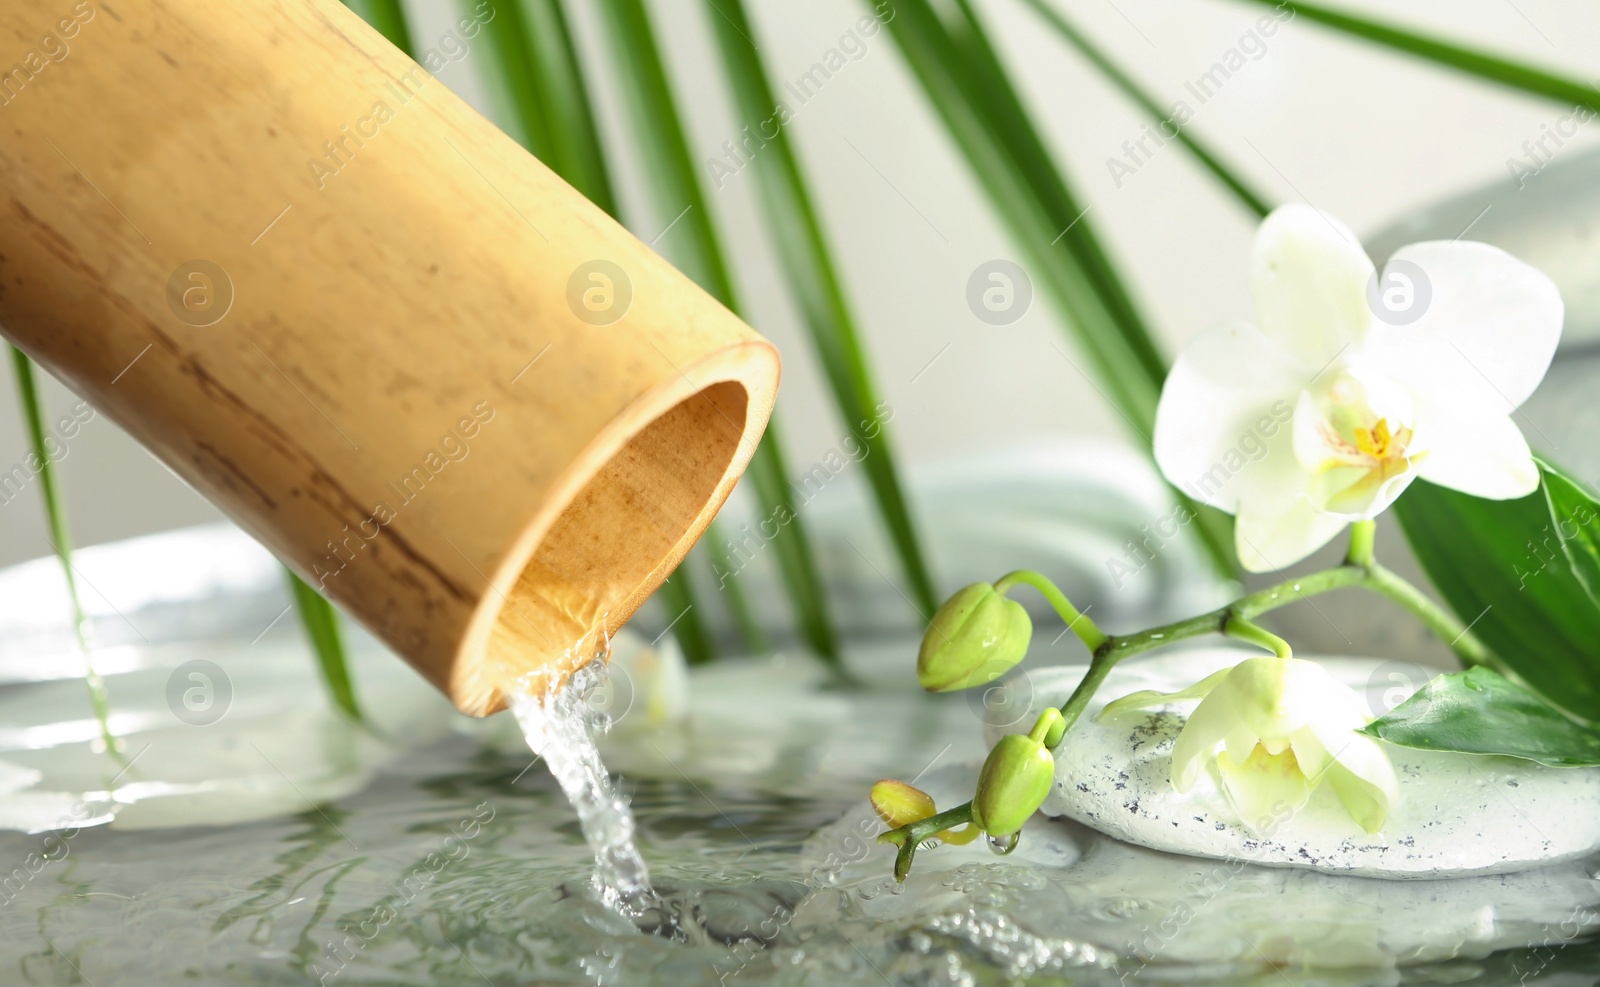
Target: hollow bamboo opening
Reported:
[(611, 545)]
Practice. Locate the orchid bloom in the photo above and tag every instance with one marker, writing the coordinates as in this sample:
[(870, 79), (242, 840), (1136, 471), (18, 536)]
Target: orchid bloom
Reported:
[(1275, 729), (1349, 390)]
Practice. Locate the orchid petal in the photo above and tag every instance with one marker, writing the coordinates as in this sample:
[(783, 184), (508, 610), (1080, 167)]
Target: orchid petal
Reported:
[(1365, 782), (1256, 689), (1309, 277), (1311, 753), (1266, 542), (1146, 698), (1358, 767), (1484, 455), (1264, 787), (1487, 336), (1230, 388), (1213, 723)]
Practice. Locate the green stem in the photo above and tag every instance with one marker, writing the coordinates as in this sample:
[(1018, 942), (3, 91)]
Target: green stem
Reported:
[(56, 514), (1091, 636), (1467, 647), (1243, 630), (1362, 535), (910, 836), (1237, 620)]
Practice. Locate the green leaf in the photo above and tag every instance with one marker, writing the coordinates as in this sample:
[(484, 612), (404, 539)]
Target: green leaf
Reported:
[(722, 566), (964, 81), (683, 619), (321, 623), (1574, 509), (389, 17), (1501, 567), (1242, 190), (536, 70), (1482, 65), (813, 277), (60, 540), (694, 245), (1480, 711)]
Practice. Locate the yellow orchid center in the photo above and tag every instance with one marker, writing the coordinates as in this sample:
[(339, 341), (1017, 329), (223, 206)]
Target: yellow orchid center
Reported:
[(1375, 441), (1355, 439), (1381, 447), (1355, 433)]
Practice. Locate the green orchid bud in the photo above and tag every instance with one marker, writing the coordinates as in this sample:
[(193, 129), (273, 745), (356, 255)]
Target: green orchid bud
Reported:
[(974, 639), (1016, 777)]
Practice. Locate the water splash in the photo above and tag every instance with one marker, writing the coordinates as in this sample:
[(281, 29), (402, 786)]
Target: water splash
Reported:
[(561, 725)]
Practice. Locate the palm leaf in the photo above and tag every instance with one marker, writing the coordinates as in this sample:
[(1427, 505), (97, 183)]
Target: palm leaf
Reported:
[(697, 249), (60, 540), (389, 17), (1242, 190), (750, 630), (536, 69), (321, 623), (814, 279), (685, 623), (965, 82), (1492, 68)]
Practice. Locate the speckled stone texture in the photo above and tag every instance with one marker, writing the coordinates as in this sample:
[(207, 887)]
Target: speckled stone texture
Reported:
[(1459, 814)]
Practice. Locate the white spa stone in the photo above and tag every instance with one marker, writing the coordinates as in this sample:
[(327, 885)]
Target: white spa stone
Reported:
[(1459, 814)]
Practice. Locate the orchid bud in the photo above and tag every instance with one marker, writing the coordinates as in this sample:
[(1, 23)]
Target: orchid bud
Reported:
[(974, 639), (899, 804), (1016, 777)]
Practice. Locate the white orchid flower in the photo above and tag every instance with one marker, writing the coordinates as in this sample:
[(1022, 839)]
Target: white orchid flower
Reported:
[(1274, 729), (1349, 389)]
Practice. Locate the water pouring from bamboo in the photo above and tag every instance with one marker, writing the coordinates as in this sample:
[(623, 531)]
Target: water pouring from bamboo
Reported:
[(443, 387)]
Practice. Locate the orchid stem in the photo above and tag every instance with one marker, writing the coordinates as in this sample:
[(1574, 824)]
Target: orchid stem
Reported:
[(1241, 629), (1091, 636), (911, 835), (1236, 620), (1362, 536)]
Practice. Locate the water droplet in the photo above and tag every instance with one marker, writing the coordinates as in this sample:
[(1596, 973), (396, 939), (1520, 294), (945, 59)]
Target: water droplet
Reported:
[(1124, 908), (1004, 845)]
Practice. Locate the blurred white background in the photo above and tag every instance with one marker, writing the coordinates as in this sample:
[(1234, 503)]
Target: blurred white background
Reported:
[(1364, 133)]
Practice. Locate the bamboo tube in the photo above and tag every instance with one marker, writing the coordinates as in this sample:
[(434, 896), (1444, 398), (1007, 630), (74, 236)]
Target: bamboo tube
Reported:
[(442, 386)]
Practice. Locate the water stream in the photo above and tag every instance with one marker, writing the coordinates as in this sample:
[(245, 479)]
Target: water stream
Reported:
[(561, 726)]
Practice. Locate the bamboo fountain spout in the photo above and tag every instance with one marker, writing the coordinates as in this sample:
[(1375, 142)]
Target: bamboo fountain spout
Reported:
[(442, 386)]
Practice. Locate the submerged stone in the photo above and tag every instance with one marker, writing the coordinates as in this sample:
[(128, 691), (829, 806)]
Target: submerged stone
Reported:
[(1459, 814)]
